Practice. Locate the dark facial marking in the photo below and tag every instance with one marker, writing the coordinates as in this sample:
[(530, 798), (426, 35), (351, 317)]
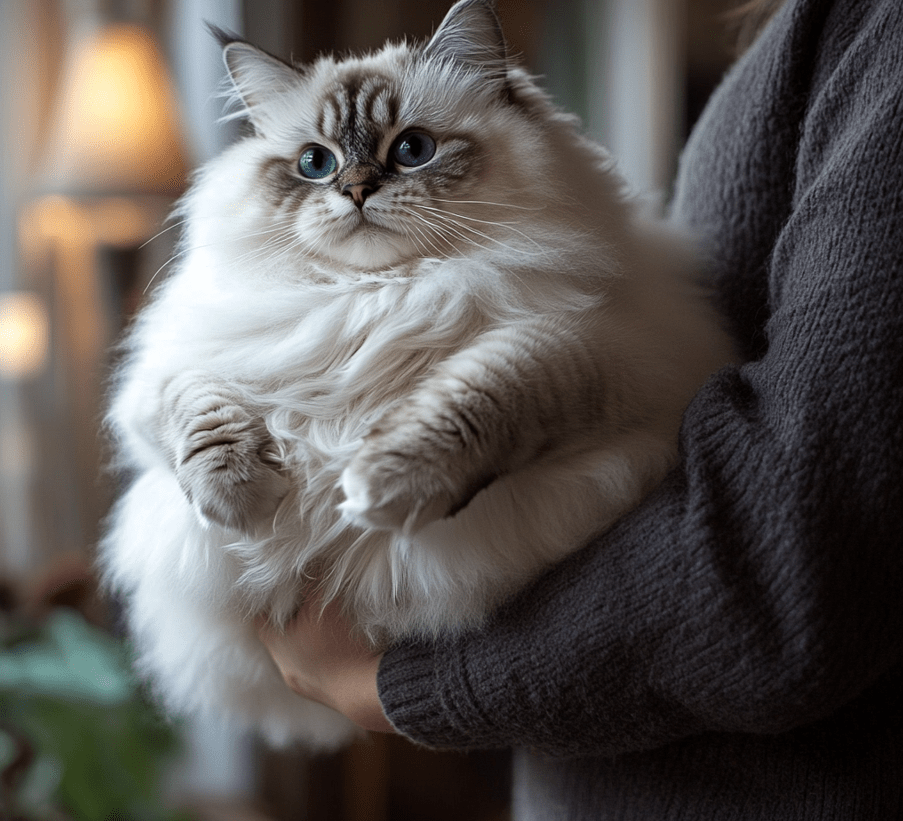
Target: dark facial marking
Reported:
[(392, 109), (378, 90), (362, 107), (281, 183), (460, 160), (352, 88)]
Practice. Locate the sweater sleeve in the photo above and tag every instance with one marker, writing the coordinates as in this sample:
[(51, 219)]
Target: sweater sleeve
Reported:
[(757, 589)]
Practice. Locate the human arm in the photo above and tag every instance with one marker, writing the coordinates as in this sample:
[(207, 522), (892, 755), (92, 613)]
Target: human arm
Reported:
[(756, 590)]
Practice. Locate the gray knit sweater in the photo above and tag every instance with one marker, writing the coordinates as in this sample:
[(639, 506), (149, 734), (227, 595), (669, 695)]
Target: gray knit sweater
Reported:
[(734, 648)]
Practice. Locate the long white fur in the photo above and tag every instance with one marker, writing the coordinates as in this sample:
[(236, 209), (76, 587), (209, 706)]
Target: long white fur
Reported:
[(327, 332)]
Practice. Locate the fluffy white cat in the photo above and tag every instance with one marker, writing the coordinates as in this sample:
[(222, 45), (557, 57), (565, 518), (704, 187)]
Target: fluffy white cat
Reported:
[(416, 349)]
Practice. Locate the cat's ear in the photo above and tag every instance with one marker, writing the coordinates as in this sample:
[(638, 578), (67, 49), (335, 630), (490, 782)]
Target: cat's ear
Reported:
[(256, 75), (471, 35)]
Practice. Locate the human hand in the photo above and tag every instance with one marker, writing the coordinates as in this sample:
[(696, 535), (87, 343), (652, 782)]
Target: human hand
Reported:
[(322, 657)]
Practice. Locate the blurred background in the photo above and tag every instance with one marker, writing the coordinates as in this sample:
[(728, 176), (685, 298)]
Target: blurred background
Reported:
[(105, 107)]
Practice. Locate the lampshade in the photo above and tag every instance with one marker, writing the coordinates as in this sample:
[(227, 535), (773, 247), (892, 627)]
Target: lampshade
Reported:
[(115, 129)]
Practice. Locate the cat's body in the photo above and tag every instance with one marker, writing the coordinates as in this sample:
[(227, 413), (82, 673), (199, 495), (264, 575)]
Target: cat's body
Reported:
[(415, 382)]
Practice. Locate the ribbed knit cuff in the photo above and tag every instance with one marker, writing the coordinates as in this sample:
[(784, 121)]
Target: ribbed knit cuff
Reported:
[(414, 698)]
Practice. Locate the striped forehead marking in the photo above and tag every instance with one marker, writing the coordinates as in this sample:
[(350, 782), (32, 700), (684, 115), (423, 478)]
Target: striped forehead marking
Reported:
[(358, 110)]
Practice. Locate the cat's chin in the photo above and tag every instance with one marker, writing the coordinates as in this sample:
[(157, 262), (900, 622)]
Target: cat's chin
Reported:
[(372, 249)]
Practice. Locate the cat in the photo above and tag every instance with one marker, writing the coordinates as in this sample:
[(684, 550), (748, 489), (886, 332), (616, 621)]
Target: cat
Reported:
[(418, 347)]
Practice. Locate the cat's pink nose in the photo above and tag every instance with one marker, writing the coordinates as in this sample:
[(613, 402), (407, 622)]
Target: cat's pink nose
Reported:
[(359, 192)]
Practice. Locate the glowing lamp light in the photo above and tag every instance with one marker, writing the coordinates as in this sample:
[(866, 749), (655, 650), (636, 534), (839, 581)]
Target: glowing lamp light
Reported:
[(115, 129), (23, 335)]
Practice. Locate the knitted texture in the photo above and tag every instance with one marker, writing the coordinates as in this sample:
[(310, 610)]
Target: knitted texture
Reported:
[(734, 648)]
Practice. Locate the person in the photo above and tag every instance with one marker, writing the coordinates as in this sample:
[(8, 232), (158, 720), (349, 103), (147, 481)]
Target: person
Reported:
[(733, 649)]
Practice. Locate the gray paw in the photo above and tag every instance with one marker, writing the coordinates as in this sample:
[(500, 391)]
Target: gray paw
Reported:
[(401, 481), (230, 470)]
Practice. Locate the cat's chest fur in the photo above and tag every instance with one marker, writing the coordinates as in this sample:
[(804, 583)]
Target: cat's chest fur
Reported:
[(323, 354)]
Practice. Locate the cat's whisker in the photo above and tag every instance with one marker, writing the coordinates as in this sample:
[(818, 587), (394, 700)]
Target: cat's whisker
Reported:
[(425, 235), (438, 217), (419, 239), (493, 204), (445, 231), (181, 222), (463, 216), (190, 249), (459, 228), (159, 234), (506, 225), (277, 242), (260, 252), (156, 273), (449, 230), (435, 224), (287, 246), (280, 225), (270, 254)]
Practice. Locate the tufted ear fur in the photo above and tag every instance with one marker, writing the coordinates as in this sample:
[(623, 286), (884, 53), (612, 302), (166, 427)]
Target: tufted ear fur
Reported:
[(256, 75), (471, 35)]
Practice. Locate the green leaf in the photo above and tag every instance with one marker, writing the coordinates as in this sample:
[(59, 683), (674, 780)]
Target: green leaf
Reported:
[(71, 660)]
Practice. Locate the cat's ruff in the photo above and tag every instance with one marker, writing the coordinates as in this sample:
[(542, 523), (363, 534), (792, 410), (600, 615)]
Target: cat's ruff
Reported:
[(482, 359)]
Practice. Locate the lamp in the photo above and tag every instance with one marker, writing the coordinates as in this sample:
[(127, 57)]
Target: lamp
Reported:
[(113, 161), (115, 129), (23, 335)]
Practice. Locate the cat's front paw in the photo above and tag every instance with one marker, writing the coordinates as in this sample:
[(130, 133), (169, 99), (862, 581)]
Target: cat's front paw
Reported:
[(391, 493), (230, 470), (400, 481)]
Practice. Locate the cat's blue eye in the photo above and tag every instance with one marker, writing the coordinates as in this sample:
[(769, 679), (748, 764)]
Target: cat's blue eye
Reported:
[(413, 149), (317, 163)]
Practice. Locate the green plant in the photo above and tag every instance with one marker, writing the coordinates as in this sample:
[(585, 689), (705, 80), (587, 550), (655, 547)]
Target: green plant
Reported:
[(77, 738)]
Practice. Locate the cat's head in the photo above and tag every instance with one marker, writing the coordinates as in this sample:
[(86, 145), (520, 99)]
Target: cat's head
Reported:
[(423, 150)]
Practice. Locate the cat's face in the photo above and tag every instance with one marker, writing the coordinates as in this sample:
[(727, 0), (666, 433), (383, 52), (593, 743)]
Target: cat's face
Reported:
[(369, 180), (412, 152)]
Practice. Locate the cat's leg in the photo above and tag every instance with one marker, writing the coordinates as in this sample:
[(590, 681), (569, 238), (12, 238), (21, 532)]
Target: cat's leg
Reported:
[(490, 409), (458, 569), (224, 458)]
